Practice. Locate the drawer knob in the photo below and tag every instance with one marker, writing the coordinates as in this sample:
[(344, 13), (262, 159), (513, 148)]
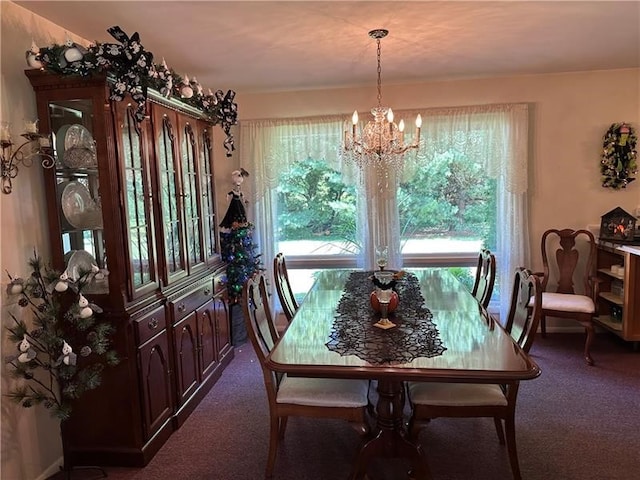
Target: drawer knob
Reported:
[(153, 323), (181, 308), (207, 291)]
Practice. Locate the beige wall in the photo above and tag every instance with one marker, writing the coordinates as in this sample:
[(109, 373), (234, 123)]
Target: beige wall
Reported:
[(570, 114), (30, 438)]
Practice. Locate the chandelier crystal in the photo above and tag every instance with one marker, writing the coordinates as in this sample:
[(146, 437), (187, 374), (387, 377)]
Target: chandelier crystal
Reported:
[(381, 142)]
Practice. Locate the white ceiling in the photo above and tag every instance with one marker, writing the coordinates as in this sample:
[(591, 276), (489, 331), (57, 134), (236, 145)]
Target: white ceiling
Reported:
[(265, 45)]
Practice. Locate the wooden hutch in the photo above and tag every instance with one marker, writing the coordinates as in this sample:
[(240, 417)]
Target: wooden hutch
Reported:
[(136, 199)]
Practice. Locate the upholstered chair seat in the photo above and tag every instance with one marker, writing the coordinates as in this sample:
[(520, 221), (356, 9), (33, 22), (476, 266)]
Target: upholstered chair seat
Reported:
[(456, 394), (323, 392), (567, 302)]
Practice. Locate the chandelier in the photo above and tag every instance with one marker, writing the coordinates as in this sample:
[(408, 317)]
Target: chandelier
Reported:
[(381, 141)]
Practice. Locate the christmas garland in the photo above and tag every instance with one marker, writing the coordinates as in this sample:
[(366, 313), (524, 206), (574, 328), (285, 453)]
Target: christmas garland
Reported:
[(132, 69), (618, 162)]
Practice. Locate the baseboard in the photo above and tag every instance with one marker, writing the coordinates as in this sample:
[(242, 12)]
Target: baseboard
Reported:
[(52, 469), (572, 329)]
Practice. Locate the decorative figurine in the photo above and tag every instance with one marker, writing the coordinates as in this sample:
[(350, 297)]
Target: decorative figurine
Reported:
[(236, 214), (26, 352), (67, 357)]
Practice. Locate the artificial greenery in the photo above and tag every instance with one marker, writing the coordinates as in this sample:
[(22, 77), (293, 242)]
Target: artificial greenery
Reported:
[(239, 252), (133, 72), (64, 347), (618, 163)]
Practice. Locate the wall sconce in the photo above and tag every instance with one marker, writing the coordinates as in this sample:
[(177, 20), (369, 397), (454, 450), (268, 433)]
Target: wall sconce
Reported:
[(36, 145)]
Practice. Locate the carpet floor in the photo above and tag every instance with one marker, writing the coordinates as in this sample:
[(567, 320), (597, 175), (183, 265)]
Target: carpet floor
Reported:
[(573, 422)]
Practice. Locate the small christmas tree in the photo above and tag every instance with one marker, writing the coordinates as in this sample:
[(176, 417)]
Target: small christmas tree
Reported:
[(63, 353), (236, 240)]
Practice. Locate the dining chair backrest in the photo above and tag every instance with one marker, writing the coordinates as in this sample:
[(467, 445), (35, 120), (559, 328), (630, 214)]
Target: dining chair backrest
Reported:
[(260, 327), (485, 277), (283, 287), (568, 255), (526, 308)]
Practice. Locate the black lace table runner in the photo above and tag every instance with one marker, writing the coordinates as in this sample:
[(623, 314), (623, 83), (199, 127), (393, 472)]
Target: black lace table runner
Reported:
[(353, 332)]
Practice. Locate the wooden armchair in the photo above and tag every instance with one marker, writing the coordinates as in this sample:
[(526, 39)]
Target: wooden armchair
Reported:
[(430, 400), (485, 277), (564, 260), (296, 396)]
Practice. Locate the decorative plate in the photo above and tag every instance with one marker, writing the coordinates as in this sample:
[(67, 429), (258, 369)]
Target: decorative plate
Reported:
[(79, 208), (78, 148), (79, 262)]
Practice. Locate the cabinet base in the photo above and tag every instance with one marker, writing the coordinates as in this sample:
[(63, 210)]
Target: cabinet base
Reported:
[(190, 405), (122, 457)]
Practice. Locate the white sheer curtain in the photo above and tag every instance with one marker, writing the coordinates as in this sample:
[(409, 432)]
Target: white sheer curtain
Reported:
[(268, 148), (497, 137), (494, 135)]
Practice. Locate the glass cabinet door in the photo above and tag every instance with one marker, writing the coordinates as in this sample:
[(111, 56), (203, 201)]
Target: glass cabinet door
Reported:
[(78, 192), (191, 194), (208, 193), (137, 188), (170, 192)]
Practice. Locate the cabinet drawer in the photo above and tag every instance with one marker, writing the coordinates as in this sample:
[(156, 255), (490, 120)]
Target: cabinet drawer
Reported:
[(149, 325), (183, 306)]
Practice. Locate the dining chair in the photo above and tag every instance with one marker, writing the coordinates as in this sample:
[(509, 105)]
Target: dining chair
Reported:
[(567, 255), (283, 287), (296, 396), (431, 400), (485, 277)]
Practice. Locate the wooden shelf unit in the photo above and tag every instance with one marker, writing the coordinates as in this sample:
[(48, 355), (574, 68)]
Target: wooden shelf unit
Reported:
[(618, 302)]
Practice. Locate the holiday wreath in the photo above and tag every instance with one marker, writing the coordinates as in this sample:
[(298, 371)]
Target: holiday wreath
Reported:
[(619, 153)]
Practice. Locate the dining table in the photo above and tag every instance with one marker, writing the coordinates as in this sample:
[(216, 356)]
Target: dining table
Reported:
[(441, 334)]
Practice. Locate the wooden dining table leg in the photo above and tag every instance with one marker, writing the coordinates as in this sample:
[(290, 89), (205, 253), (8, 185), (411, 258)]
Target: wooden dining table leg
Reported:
[(391, 440)]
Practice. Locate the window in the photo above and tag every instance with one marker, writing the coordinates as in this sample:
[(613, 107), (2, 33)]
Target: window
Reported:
[(448, 206), (316, 211), (465, 188)]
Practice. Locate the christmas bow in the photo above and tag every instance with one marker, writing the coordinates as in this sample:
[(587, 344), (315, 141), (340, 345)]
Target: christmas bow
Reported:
[(130, 63)]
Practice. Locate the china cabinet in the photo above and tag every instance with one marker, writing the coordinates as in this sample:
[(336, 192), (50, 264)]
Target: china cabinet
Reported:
[(618, 303), (134, 201)]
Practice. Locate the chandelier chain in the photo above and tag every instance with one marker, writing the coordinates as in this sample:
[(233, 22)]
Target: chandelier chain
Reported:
[(379, 75)]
